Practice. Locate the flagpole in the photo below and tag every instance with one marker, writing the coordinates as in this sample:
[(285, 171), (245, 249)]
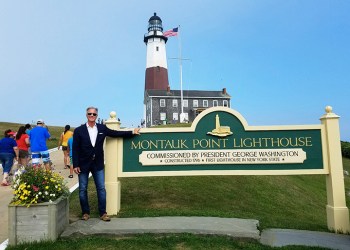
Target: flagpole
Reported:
[(180, 65)]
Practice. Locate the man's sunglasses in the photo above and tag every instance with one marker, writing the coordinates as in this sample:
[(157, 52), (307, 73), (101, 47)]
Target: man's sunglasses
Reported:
[(90, 114)]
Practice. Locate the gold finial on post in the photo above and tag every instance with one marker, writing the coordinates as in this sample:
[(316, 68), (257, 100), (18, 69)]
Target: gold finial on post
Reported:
[(329, 109), (113, 115), (113, 122)]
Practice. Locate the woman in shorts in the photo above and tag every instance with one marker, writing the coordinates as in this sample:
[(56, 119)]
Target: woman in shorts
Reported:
[(64, 143), (22, 140)]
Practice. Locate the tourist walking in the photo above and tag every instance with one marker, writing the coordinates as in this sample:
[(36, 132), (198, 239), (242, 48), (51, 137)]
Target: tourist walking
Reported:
[(28, 128), (8, 152), (38, 137), (64, 143), (88, 156), (22, 140), (70, 152)]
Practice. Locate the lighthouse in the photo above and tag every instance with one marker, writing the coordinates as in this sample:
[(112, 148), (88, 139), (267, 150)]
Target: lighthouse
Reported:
[(163, 105), (156, 76)]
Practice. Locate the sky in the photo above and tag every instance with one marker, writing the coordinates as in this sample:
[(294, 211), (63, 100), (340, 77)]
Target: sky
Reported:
[(282, 62)]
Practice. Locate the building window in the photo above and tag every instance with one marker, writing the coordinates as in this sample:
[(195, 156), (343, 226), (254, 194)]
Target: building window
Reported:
[(215, 103), (162, 102), (225, 103), (162, 116), (175, 116), (205, 103), (195, 103), (185, 103), (174, 103), (185, 117)]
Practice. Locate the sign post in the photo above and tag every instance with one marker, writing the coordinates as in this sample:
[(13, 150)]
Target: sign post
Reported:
[(337, 212), (113, 154)]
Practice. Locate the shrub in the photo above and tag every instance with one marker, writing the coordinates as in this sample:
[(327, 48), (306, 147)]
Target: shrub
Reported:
[(345, 149)]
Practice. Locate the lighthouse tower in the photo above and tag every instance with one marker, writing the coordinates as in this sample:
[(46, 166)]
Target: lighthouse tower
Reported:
[(156, 64)]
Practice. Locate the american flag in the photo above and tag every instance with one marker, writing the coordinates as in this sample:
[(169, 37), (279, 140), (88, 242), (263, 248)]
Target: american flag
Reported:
[(172, 32)]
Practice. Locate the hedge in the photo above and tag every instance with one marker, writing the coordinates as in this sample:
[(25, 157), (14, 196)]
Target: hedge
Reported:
[(345, 149)]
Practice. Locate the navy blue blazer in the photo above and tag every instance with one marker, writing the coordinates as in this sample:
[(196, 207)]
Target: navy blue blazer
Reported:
[(87, 157)]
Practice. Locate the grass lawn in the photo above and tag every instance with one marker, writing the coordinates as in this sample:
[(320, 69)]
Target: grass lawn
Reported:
[(290, 202), (154, 242), (276, 201)]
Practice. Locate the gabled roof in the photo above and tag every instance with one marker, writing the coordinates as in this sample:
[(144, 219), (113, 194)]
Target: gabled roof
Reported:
[(187, 93)]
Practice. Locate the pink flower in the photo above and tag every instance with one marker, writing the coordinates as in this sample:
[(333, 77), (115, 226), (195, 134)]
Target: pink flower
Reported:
[(35, 188)]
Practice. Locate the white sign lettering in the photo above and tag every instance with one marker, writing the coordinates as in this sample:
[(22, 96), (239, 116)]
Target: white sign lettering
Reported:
[(243, 156)]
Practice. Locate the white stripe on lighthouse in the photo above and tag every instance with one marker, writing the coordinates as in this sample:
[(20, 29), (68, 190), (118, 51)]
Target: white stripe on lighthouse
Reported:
[(156, 52)]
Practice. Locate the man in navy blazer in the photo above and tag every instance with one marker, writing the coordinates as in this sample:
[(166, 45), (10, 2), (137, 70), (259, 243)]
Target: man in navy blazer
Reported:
[(88, 156)]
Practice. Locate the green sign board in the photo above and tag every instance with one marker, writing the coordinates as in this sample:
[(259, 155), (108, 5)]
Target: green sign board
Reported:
[(220, 139)]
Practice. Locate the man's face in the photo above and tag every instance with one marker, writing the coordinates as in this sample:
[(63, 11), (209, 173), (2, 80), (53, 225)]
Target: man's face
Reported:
[(91, 115)]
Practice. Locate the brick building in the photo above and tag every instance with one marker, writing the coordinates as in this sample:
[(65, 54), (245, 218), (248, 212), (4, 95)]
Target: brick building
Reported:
[(164, 106)]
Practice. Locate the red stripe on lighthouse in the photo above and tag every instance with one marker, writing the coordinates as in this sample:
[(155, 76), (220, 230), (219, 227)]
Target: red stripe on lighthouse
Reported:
[(156, 78)]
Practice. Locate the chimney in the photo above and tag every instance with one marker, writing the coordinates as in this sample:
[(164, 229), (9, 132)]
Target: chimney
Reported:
[(168, 89), (224, 91)]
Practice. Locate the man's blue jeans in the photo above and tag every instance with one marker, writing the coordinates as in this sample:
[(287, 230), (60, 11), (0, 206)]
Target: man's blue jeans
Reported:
[(99, 179)]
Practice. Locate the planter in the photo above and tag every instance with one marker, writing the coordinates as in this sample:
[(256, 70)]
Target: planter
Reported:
[(43, 221)]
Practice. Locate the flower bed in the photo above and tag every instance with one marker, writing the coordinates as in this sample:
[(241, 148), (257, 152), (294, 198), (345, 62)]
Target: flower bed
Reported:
[(37, 185)]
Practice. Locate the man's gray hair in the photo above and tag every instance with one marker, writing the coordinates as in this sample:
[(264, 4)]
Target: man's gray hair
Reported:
[(91, 107)]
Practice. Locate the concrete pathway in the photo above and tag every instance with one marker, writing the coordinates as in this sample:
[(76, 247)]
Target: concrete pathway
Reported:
[(236, 228), (5, 198), (284, 237)]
